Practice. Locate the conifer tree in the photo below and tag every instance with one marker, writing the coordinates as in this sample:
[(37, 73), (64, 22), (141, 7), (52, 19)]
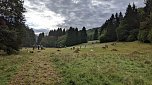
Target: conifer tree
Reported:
[(95, 36), (129, 27), (40, 37), (11, 11), (84, 35)]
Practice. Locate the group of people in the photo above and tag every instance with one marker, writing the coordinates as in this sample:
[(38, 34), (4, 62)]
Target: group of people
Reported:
[(39, 47)]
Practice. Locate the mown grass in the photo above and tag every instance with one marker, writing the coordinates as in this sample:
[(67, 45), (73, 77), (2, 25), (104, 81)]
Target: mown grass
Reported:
[(130, 65), (9, 64)]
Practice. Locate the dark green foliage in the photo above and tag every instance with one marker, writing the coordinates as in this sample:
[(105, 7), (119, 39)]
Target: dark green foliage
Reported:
[(61, 38), (91, 32), (150, 36), (70, 37), (49, 41), (40, 37), (29, 38), (148, 7), (75, 37), (8, 41), (13, 11), (109, 28), (56, 38), (83, 35), (57, 33), (103, 39), (52, 41), (145, 34), (61, 41), (95, 37), (12, 19), (136, 25), (129, 27)]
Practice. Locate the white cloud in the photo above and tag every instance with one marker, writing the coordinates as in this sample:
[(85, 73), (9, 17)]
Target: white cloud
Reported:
[(40, 17)]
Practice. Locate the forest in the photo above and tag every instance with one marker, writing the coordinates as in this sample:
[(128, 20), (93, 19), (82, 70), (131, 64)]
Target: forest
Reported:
[(134, 25)]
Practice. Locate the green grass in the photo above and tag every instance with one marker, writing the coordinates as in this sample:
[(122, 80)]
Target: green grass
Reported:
[(93, 65), (9, 66), (131, 65)]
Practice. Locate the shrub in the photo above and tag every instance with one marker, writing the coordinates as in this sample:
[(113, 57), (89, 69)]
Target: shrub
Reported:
[(150, 36), (8, 41), (143, 36), (103, 39)]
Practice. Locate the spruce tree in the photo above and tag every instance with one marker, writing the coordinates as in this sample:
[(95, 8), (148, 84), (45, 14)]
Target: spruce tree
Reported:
[(129, 27), (95, 36), (84, 35), (145, 34), (11, 11), (40, 37), (69, 38)]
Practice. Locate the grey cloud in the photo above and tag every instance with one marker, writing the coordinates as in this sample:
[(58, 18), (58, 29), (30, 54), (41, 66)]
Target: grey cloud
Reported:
[(41, 30), (84, 13)]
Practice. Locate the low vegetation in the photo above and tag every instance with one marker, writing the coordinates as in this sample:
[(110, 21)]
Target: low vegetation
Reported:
[(10, 64), (92, 64), (98, 66)]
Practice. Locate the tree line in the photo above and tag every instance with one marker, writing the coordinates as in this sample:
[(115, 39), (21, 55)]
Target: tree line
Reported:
[(63, 38), (13, 31), (136, 24)]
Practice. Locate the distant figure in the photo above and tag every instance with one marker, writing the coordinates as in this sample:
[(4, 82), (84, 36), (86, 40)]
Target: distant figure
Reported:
[(73, 48), (38, 47), (33, 47)]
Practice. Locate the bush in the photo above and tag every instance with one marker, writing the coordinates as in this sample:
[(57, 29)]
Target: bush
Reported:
[(8, 41), (150, 36), (131, 38), (103, 39), (143, 36), (122, 33)]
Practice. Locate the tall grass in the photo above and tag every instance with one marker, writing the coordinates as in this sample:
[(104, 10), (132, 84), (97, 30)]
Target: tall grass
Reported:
[(9, 64)]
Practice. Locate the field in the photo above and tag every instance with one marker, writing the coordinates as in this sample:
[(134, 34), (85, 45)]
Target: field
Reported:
[(126, 63)]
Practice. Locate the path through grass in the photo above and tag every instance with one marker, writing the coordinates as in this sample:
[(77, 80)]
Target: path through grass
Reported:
[(131, 64)]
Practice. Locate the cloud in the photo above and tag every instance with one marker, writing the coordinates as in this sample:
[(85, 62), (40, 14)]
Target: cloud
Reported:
[(38, 31), (50, 14), (40, 17)]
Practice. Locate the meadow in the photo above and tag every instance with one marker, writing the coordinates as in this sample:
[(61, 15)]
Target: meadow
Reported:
[(126, 63)]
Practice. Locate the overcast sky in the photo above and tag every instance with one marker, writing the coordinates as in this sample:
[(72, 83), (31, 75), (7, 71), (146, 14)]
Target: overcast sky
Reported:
[(44, 15)]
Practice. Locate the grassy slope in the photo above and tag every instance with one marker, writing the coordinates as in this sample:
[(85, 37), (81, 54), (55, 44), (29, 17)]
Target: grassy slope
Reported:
[(130, 65), (9, 66)]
